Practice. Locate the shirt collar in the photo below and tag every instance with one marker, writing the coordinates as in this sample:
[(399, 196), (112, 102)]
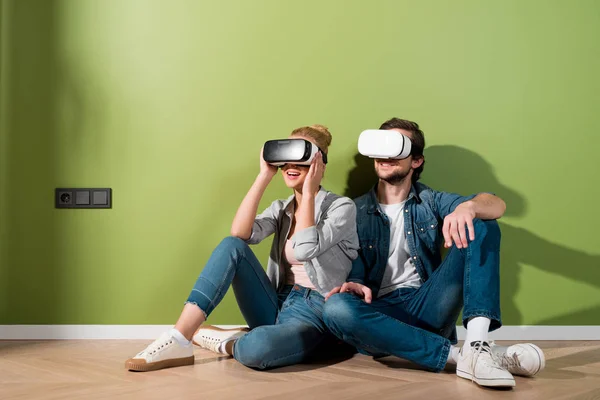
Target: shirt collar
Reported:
[(374, 203), (288, 205)]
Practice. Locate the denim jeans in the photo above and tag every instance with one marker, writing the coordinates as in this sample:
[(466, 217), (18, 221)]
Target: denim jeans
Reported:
[(415, 324), (286, 327)]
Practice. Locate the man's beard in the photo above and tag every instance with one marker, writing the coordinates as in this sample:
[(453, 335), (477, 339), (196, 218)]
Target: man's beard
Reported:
[(395, 178)]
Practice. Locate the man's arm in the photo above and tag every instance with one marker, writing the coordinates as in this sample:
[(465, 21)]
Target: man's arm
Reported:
[(358, 271), (485, 206), (458, 213)]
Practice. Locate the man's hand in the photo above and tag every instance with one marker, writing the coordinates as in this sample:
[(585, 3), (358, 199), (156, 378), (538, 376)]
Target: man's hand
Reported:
[(454, 225), (355, 288)]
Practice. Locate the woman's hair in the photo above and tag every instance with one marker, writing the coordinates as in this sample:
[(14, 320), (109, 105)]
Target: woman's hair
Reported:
[(318, 133)]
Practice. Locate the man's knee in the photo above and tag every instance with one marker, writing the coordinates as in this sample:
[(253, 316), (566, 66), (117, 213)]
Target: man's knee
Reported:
[(487, 231)]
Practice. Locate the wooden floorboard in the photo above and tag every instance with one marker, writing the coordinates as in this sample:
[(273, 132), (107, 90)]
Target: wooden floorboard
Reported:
[(94, 369)]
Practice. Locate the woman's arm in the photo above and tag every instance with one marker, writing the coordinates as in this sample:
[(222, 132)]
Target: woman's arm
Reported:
[(246, 213), (305, 216), (339, 225)]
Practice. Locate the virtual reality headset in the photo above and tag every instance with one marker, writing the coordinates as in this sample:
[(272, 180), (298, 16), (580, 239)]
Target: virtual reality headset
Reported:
[(377, 143), (292, 151)]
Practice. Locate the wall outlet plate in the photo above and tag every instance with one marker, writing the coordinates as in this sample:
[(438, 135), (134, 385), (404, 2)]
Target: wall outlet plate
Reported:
[(83, 198)]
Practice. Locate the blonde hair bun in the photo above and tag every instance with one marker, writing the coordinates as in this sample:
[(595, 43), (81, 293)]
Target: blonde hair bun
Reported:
[(318, 133)]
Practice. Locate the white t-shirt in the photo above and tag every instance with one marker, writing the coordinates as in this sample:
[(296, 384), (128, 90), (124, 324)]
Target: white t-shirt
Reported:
[(399, 271)]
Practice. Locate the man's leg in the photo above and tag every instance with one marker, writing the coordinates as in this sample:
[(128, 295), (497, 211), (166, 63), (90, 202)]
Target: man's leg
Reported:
[(467, 279), (414, 326), (371, 330), (438, 302)]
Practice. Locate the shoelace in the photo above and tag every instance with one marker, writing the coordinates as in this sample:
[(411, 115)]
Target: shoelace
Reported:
[(510, 362), (209, 342), (478, 348), (506, 361), (158, 345)]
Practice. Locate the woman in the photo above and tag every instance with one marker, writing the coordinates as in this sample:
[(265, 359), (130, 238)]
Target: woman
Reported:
[(312, 252)]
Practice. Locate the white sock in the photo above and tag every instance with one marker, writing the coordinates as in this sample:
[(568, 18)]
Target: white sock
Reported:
[(453, 354), (477, 330), (222, 347), (179, 337)]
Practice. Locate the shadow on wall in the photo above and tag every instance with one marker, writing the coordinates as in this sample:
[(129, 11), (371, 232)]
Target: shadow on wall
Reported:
[(518, 244), (361, 178)]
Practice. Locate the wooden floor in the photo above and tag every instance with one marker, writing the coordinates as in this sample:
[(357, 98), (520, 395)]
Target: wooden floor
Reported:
[(94, 370)]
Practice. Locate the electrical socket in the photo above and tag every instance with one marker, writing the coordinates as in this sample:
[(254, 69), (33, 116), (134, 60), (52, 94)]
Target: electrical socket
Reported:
[(83, 198)]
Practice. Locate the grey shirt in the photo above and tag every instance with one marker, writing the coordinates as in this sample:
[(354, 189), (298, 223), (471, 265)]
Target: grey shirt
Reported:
[(326, 248)]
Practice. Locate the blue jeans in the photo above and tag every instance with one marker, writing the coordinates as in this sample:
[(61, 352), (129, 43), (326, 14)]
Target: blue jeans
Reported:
[(286, 327), (415, 324)]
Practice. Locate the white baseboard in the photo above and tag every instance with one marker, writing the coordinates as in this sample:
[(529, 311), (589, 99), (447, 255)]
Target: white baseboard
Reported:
[(541, 332), (62, 332), (48, 332)]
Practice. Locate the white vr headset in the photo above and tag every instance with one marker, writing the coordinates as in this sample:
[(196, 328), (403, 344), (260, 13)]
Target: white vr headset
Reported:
[(377, 143), (292, 151)]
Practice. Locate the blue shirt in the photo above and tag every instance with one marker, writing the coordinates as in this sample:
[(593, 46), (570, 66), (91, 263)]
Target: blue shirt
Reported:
[(424, 215)]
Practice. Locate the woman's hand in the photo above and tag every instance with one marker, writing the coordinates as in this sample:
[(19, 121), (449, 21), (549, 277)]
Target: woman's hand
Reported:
[(312, 182), (243, 221), (267, 170)]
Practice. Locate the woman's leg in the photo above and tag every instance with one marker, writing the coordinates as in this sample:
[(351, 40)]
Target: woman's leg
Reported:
[(232, 262), (298, 332)]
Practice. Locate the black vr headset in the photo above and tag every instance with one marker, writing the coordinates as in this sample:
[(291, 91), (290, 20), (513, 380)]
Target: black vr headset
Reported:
[(292, 151)]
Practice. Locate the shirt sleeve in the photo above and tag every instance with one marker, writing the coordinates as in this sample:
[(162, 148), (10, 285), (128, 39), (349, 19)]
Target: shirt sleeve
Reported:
[(445, 203), (265, 224), (358, 271), (339, 224)]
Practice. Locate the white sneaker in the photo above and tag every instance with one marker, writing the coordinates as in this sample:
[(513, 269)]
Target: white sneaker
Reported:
[(477, 363), (164, 352), (524, 359), (210, 337)]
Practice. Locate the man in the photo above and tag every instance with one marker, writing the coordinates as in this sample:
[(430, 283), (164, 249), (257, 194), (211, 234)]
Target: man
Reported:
[(401, 299)]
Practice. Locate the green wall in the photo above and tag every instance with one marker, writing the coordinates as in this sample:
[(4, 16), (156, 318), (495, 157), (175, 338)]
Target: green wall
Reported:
[(169, 103)]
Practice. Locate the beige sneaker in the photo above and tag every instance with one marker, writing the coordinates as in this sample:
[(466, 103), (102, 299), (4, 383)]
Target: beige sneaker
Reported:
[(523, 359), (164, 352), (210, 337), (477, 363)]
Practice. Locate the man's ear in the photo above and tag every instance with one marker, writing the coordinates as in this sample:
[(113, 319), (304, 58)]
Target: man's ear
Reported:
[(417, 162)]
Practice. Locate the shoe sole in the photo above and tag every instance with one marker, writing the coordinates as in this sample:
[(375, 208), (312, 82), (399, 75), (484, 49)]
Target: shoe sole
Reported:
[(214, 328), (486, 382), (133, 365)]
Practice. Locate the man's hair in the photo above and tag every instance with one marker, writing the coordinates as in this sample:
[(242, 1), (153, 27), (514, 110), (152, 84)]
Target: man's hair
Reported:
[(418, 140)]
